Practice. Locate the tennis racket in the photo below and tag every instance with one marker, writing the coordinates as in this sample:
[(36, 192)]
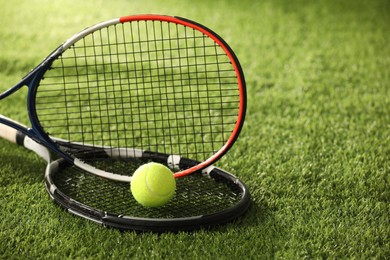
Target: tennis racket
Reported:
[(137, 86), (203, 199)]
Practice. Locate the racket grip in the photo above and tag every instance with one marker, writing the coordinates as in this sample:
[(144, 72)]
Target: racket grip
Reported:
[(8, 133), (19, 138)]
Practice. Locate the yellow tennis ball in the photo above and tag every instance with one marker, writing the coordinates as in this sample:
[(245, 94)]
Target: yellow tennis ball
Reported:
[(153, 185)]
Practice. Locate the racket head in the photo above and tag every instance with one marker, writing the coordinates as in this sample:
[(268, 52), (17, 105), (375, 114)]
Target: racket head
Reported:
[(155, 83), (202, 200)]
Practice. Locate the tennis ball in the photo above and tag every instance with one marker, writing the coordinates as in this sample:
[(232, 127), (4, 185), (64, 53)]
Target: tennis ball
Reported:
[(153, 185)]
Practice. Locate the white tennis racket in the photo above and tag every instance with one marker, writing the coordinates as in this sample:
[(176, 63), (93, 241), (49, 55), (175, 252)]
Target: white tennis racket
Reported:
[(202, 200)]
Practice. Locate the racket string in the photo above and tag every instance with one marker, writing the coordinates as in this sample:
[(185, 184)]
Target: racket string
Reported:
[(196, 195), (142, 84)]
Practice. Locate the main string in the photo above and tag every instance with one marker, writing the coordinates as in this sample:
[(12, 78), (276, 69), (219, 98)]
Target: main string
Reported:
[(152, 85), (195, 195)]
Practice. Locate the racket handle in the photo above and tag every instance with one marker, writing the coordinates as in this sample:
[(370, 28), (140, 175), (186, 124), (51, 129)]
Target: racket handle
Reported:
[(17, 137), (8, 133)]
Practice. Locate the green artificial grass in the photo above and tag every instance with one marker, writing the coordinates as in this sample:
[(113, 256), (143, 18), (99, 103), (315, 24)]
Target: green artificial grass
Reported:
[(314, 151)]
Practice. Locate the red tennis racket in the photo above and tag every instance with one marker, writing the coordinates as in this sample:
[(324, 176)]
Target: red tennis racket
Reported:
[(137, 86)]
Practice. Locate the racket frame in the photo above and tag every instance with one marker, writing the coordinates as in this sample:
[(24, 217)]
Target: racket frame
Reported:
[(33, 78), (159, 225)]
